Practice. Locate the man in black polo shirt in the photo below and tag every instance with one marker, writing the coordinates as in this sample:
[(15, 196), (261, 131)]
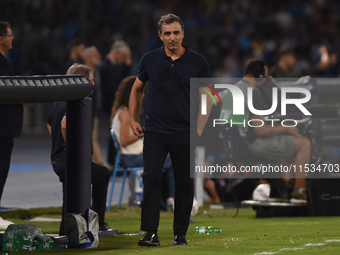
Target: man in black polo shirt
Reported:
[(167, 127)]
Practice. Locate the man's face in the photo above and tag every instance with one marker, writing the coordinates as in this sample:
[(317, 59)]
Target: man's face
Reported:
[(266, 72), (290, 59), (80, 51), (122, 56), (94, 57), (172, 36), (7, 40)]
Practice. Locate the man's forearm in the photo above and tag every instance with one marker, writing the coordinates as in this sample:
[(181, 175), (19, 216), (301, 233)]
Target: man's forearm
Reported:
[(202, 119), (134, 105)]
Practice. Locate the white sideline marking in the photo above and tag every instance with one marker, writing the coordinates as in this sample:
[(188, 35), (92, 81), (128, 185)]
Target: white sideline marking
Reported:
[(291, 249), (293, 223), (295, 249), (314, 244), (332, 240), (265, 253)]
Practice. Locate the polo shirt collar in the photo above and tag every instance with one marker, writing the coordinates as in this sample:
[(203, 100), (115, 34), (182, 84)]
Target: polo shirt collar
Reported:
[(184, 57)]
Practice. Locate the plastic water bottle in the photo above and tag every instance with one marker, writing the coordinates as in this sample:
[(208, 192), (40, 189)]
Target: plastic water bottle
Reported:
[(20, 243), (208, 230), (55, 245), (50, 244)]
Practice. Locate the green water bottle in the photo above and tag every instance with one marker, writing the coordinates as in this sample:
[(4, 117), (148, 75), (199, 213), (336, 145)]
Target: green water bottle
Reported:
[(55, 245), (7, 241), (21, 243), (208, 230), (49, 245)]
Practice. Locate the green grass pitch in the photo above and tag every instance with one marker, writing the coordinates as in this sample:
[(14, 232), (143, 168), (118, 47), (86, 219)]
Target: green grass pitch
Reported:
[(244, 234)]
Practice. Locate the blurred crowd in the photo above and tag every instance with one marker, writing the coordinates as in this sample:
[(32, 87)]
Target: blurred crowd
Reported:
[(227, 33), (293, 37)]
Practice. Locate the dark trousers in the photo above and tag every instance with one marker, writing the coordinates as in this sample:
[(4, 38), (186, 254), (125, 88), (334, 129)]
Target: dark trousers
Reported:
[(100, 177), (156, 147), (6, 146)]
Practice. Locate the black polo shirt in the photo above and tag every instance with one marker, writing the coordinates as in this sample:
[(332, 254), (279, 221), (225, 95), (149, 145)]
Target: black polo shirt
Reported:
[(168, 110)]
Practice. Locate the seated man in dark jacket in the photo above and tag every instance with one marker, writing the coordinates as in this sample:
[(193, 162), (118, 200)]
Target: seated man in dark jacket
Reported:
[(100, 175)]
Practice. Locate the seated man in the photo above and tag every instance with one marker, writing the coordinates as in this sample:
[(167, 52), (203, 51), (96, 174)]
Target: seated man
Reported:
[(278, 141), (100, 175)]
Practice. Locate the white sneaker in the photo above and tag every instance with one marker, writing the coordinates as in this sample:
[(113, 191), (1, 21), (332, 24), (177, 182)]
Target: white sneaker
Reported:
[(299, 196), (4, 223)]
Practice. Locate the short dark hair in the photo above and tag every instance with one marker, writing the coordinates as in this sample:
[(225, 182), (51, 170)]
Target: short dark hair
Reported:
[(255, 67), (169, 19), (74, 43), (3, 27), (285, 52)]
